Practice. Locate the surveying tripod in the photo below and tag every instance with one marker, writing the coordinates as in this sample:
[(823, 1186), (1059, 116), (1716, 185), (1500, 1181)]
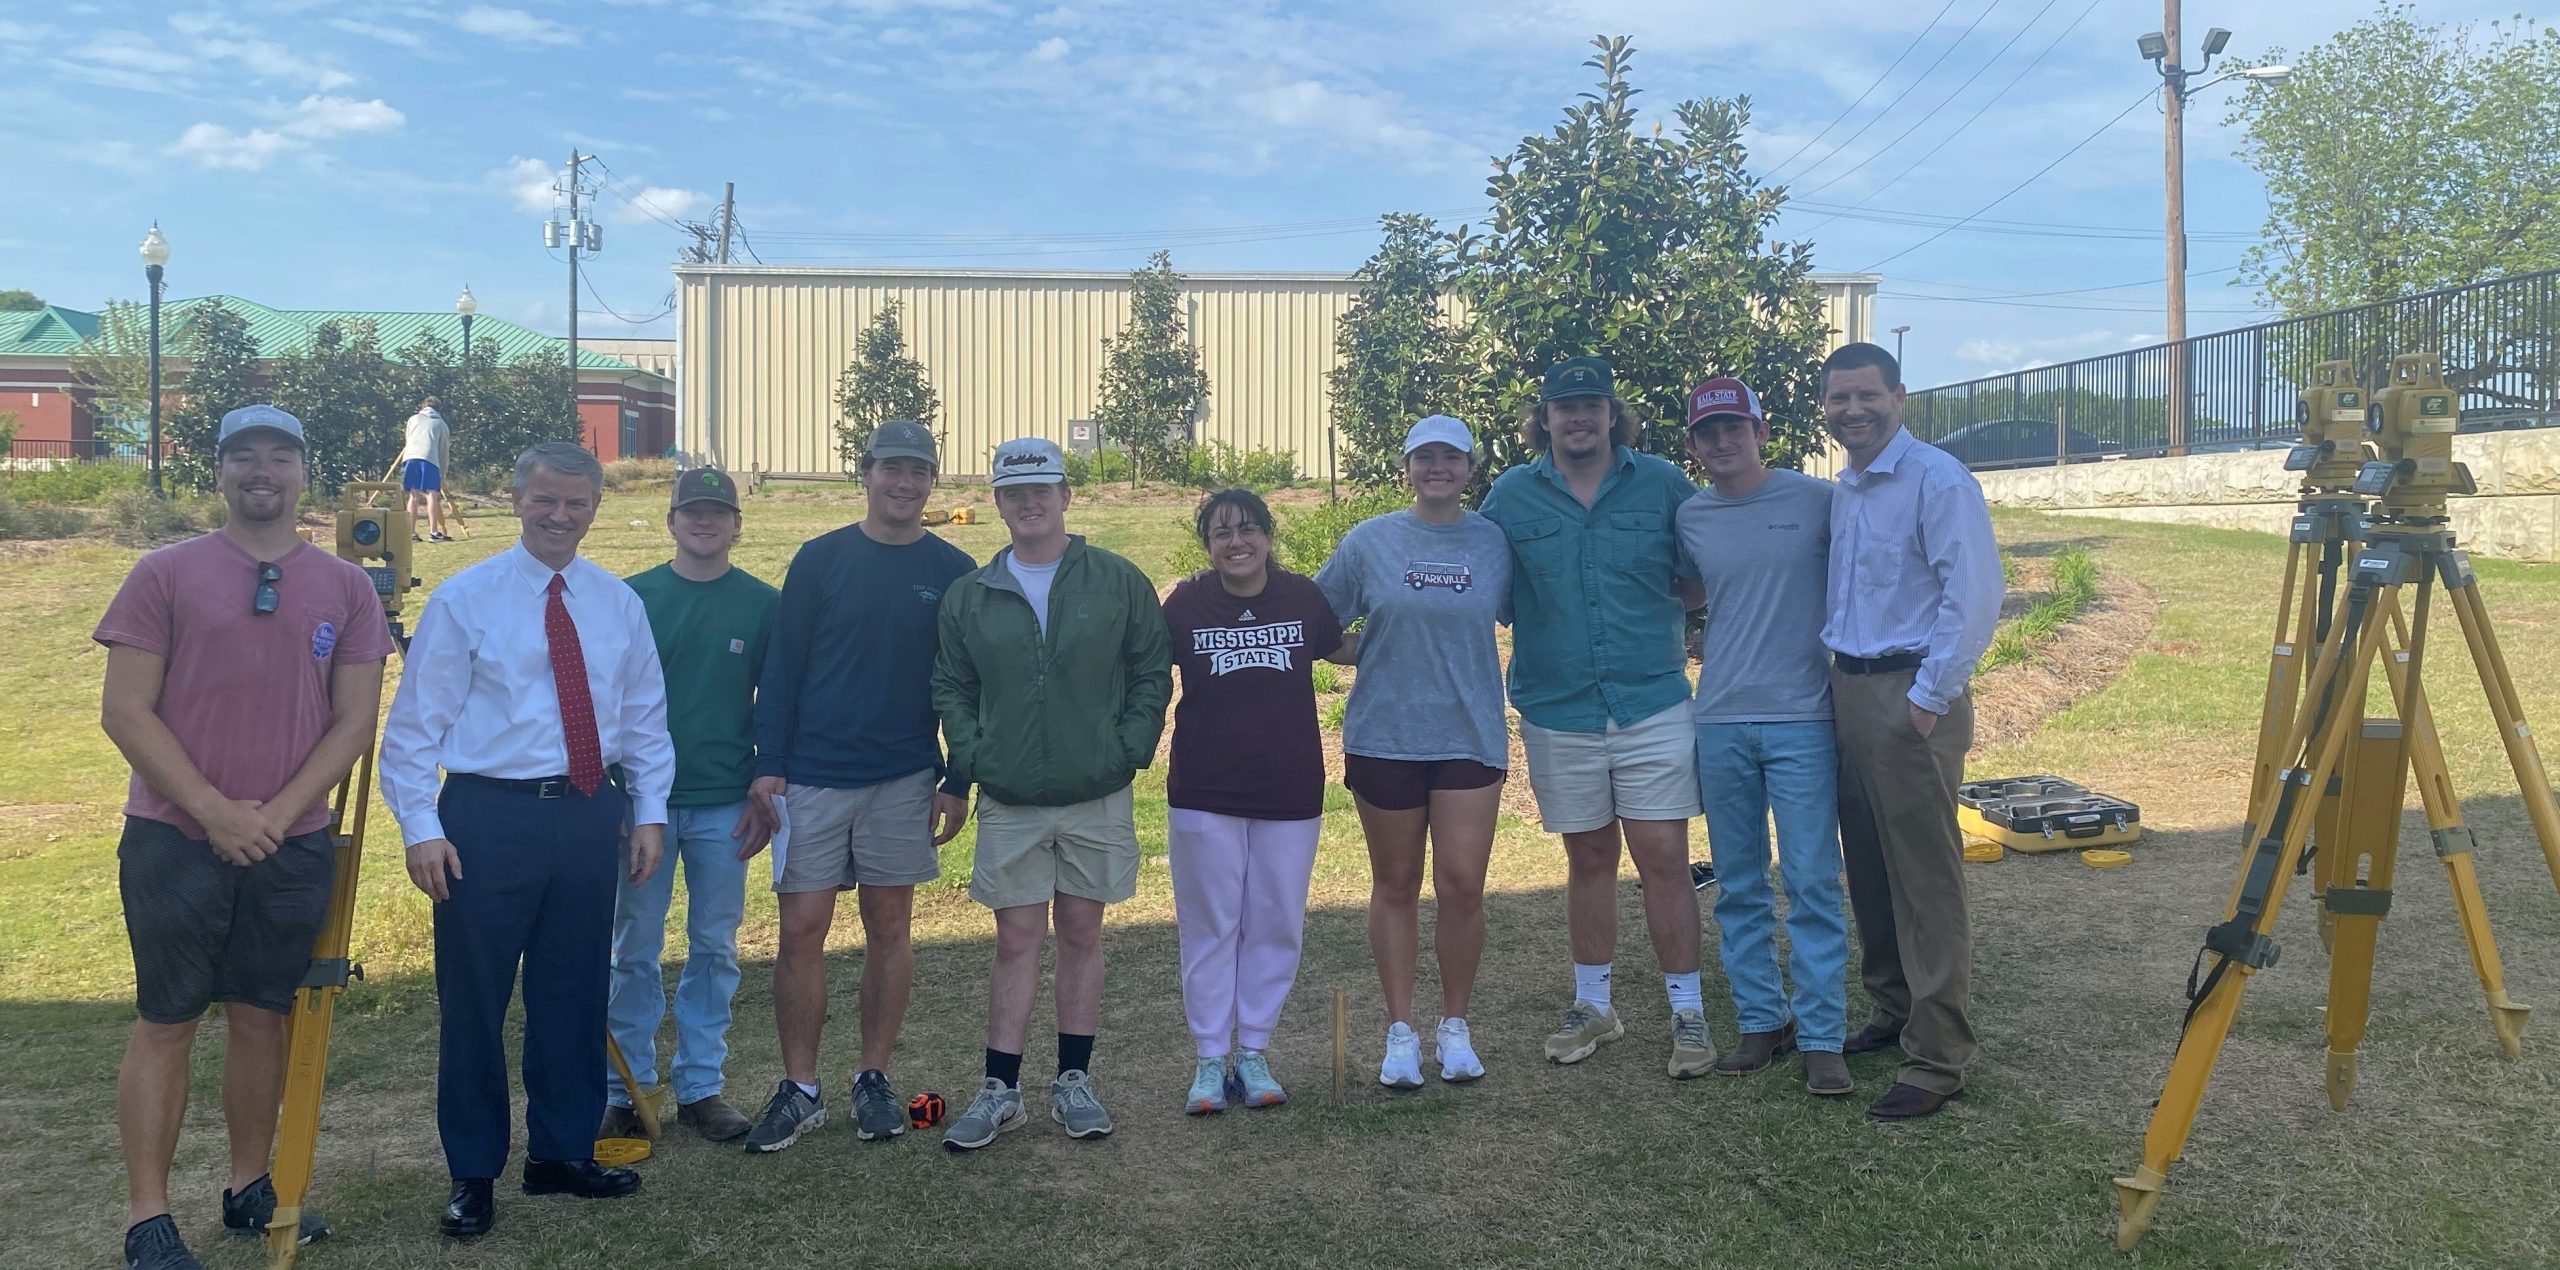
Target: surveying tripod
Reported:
[(2322, 766), (372, 539)]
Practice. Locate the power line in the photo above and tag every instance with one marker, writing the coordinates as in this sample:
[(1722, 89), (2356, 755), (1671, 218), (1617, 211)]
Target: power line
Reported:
[(1907, 90), (2004, 195), (1949, 100), (2024, 229), (592, 294), (1871, 88), (2040, 304), (1994, 293)]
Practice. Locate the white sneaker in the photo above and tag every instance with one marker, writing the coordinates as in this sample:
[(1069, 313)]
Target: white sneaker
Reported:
[(1402, 1067), (1458, 1061)]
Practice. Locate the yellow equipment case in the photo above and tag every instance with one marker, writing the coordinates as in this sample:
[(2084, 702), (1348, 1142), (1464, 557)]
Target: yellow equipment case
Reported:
[(2044, 813)]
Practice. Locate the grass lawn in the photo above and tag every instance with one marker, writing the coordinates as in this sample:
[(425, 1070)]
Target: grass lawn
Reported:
[(2442, 1159)]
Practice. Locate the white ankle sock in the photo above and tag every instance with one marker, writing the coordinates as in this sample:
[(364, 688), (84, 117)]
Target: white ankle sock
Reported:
[(810, 1090), (1684, 991), (1591, 983)]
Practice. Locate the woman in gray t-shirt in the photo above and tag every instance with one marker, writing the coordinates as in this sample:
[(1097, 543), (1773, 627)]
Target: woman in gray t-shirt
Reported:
[(1423, 738)]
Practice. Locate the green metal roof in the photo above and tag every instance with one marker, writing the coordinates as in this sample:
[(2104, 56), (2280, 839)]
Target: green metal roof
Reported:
[(56, 331), (49, 331)]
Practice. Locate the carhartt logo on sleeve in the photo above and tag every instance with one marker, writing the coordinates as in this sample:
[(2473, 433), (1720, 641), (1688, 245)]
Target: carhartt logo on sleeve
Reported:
[(737, 645)]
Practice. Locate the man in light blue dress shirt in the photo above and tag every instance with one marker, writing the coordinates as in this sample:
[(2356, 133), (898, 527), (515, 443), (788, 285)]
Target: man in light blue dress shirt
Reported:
[(1915, 589)]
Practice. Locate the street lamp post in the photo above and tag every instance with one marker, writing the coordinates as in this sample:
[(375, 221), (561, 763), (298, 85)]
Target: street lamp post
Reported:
[(466, 306), (2162, 49), (1897, 343), (155, 254)]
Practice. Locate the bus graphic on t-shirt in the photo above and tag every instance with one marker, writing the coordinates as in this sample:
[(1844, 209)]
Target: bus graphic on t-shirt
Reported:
[(1244, 647), (1424, 574)]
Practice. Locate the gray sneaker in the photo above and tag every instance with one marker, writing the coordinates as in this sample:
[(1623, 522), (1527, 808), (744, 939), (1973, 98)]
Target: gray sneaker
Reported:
[(877, 1113), (1693, 1053), (997, 1108), (789, 1114), (1071, 1103), (1586, 1028)]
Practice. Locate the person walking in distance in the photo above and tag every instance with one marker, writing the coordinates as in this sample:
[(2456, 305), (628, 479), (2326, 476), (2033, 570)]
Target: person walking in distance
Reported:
[(1599, 674), (712, 623), (1424, 744), (1052, 678), (244, 673), (1761, 540), (425, 442), (1245, 788), (846, 741), (533, 676), (1914, 593)]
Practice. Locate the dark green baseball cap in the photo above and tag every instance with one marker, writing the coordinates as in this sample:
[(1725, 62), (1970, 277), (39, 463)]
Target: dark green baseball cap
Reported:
[(902, 439), (704, 485), (1578, 377)]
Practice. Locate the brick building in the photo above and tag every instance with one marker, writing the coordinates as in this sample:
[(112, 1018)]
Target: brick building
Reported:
[(623, 409)]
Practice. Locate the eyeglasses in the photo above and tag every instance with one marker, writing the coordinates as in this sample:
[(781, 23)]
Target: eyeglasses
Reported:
[(264, 601)]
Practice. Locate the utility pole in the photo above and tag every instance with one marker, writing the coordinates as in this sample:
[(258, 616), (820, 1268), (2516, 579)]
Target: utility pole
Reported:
[(728, 215), (577, 232), (2173, 110)]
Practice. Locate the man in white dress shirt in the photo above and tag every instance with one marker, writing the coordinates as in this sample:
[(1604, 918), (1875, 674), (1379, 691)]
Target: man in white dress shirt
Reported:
[(1914, 592), (531, 674)]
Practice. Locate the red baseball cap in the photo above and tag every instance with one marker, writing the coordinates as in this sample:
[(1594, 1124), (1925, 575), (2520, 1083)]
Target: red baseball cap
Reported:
[(1724, 395)]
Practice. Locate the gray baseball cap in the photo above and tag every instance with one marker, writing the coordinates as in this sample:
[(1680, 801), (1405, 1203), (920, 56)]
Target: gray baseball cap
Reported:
[(703, 485), (1029, 460), (260, 418), (902, 439)]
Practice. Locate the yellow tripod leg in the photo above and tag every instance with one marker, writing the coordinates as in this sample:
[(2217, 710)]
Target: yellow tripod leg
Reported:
[(2453, 845), (2286, 655), (2531, 780), (2364, 855), (2173, 1117), (315, 1006)]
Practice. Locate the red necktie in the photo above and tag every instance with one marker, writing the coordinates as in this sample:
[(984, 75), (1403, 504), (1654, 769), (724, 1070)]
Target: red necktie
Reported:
[(577, 708)]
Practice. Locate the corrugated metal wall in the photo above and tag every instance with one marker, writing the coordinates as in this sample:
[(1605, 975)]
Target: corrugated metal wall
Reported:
[(1013, 354)]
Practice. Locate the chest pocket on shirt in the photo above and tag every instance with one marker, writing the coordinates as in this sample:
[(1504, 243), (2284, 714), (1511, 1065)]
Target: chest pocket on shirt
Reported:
[(1882, 558), (1635, 543), (1539, 546)]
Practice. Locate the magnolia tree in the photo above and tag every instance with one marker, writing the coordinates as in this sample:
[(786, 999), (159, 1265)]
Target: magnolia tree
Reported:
[(1153, 386), (880, 384), (1397, 350)]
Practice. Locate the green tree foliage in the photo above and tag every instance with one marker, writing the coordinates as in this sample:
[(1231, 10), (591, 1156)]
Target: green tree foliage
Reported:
[(222, 376), (1649, 247), (1153, 386), (1397, 350), (881, 383), (352, 400), (15, 300), (115, 368), (2402, 157), (505, 409)]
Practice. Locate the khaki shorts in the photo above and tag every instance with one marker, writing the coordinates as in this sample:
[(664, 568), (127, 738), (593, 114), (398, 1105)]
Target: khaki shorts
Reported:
[(1030, 855), (870, 835), (1647, 770)]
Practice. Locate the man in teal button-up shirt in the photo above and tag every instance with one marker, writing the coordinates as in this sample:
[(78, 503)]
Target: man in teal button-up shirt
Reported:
[(1598, 673)]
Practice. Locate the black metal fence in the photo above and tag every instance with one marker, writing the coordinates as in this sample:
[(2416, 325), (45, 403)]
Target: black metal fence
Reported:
[(35, 452), (2500, 341)]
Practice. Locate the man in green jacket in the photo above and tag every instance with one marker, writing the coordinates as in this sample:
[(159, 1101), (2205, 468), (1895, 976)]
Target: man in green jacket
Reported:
[(1052, 679)]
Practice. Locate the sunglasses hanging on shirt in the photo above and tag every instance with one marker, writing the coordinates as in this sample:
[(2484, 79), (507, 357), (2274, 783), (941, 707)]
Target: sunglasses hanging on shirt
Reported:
[(264, 600)]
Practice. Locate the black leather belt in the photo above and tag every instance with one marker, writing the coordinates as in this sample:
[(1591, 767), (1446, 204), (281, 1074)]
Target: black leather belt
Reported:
[(542, 787), (1885, 665)]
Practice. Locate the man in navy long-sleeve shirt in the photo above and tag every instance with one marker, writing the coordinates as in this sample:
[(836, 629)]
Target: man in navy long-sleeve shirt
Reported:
[(847, 740)]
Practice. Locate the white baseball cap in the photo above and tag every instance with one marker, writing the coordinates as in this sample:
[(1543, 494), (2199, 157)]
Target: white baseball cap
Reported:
[(254, 419), (1447, 431), (1028, 460)]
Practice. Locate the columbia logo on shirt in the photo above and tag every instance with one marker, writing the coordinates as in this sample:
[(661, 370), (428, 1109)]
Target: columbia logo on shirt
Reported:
[(1245, 647)]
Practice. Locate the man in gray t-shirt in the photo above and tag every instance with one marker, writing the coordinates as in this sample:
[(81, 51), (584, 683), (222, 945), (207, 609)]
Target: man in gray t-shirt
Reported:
[(1762, 542)]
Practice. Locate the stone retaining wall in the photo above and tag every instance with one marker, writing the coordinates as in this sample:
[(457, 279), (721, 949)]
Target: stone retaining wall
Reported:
[(2516, 515)]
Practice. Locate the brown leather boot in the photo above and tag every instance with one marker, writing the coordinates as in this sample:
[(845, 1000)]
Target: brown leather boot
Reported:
[(620, 1122), (713, 1118), (1826, 1075), (1757, 1051)]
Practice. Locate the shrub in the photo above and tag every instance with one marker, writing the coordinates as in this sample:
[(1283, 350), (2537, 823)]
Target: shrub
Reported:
[(625, 473), (2075, 587), (1218, 465), (1103, 465), (136, 519), (1328, 677), (21, 521), (85, 484), (1308, 535)]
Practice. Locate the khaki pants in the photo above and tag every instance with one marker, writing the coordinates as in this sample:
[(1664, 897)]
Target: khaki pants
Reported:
[(1905, 861)]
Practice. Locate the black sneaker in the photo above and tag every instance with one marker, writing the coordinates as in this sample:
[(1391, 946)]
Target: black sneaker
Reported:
[(155, 1245), (789, 1114), (248, 1212), (877, 1113), (1701, 875)]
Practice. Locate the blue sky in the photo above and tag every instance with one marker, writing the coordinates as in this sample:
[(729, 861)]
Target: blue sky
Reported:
[(346, 154)]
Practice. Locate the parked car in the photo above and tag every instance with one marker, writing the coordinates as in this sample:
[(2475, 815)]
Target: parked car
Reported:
[(1999, 443)]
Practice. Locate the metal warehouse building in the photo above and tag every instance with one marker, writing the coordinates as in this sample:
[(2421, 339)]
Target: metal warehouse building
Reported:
[(1014, 353)]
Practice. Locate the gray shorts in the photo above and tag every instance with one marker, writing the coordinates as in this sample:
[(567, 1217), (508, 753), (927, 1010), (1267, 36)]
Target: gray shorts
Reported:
[(1031, 855), (870, 835), (205, 930)]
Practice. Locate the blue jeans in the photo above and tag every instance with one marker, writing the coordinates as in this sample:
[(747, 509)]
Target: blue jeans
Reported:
[(1747, 771), (715, 883)]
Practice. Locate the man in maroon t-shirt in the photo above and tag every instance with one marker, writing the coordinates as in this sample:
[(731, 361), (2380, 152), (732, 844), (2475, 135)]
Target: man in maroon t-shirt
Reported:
[(244, 673)]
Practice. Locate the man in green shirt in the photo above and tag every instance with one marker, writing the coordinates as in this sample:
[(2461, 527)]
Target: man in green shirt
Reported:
[(712, 622)]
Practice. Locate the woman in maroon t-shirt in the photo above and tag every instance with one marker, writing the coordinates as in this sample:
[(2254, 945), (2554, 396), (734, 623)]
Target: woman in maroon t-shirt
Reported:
[(1246, 788)]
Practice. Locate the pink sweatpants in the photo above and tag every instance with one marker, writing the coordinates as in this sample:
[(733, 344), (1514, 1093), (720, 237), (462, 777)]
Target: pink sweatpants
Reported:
[(1240, 901)]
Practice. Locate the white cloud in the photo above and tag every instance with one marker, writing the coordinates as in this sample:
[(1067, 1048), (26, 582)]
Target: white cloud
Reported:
[(377, 31), (669, 202), (320, 117), (527, 183), (211, 145), (1994, 356), (514, 26), (1050, 50)]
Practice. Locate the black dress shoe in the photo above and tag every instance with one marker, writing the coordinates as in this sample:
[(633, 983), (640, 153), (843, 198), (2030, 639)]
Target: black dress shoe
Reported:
[(471, 1211), (583, 1178), (1909, 1102), (1869, 1039)]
